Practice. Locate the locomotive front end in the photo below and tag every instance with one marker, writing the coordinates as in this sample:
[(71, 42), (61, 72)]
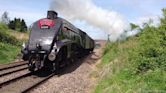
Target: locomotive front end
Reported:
[(41, 45)]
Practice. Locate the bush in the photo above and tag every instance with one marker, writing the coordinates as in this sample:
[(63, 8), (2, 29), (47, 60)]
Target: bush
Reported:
[(6, 38), (3, 26)]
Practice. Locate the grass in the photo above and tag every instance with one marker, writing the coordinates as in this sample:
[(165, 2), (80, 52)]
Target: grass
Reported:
[(8, 52), (125, 82), (118, 74)]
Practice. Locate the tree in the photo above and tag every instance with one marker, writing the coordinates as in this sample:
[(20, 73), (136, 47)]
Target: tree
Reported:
[(17, 22), (133, 26), (18, 25), (23, 26), (11, 25), (5, 19)]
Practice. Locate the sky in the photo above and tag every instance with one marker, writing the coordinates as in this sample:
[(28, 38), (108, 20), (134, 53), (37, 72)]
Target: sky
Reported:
[(136, 11)]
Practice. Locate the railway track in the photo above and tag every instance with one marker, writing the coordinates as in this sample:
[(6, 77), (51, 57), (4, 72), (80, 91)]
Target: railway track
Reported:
[(7, 86), (12, 68), (12, 65), (20, 79), (38, 83), (25, 82)]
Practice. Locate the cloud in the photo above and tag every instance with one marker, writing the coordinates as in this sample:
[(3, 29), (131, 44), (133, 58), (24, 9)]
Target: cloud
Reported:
[(106, 20)]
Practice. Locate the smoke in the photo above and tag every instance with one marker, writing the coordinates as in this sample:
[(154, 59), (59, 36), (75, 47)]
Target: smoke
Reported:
[(106, 20)]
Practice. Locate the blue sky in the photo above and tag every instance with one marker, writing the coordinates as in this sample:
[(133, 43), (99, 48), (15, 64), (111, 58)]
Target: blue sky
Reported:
[(30, 10), (132, 10)]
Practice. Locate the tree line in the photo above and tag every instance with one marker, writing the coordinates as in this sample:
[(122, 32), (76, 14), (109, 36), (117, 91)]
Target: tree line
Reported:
[(17, 24)]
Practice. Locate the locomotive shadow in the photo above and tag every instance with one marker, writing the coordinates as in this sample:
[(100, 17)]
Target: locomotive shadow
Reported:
[(89, 59), (63, 70), (43, 73)]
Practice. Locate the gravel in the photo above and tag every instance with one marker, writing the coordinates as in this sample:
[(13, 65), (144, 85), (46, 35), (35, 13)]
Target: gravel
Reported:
[(74, 78)]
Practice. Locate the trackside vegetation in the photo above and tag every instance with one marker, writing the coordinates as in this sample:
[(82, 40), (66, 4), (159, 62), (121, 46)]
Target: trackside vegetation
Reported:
[(12, 34), (10, 43), (136, 64)]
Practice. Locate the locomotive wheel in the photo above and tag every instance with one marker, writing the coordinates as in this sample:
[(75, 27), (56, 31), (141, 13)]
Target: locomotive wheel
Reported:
[(56, 64), (25, 57), (64, 57), (33, 63), (60, 60)]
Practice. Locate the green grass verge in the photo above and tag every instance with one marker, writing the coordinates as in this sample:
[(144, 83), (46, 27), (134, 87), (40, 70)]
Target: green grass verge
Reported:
[(123, 69), (125, 82), (8, 52)]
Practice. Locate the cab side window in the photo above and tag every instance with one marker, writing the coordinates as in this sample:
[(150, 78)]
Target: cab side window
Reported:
[(65, 30), (60, 35)]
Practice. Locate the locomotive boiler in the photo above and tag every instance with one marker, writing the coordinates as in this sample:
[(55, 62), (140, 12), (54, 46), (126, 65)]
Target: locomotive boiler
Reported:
[(53, 41)]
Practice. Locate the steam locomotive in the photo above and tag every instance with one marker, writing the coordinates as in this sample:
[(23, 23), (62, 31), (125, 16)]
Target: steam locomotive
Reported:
[(53, 41)]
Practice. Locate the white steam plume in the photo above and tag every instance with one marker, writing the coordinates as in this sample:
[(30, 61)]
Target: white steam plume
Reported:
[(86, 10)]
